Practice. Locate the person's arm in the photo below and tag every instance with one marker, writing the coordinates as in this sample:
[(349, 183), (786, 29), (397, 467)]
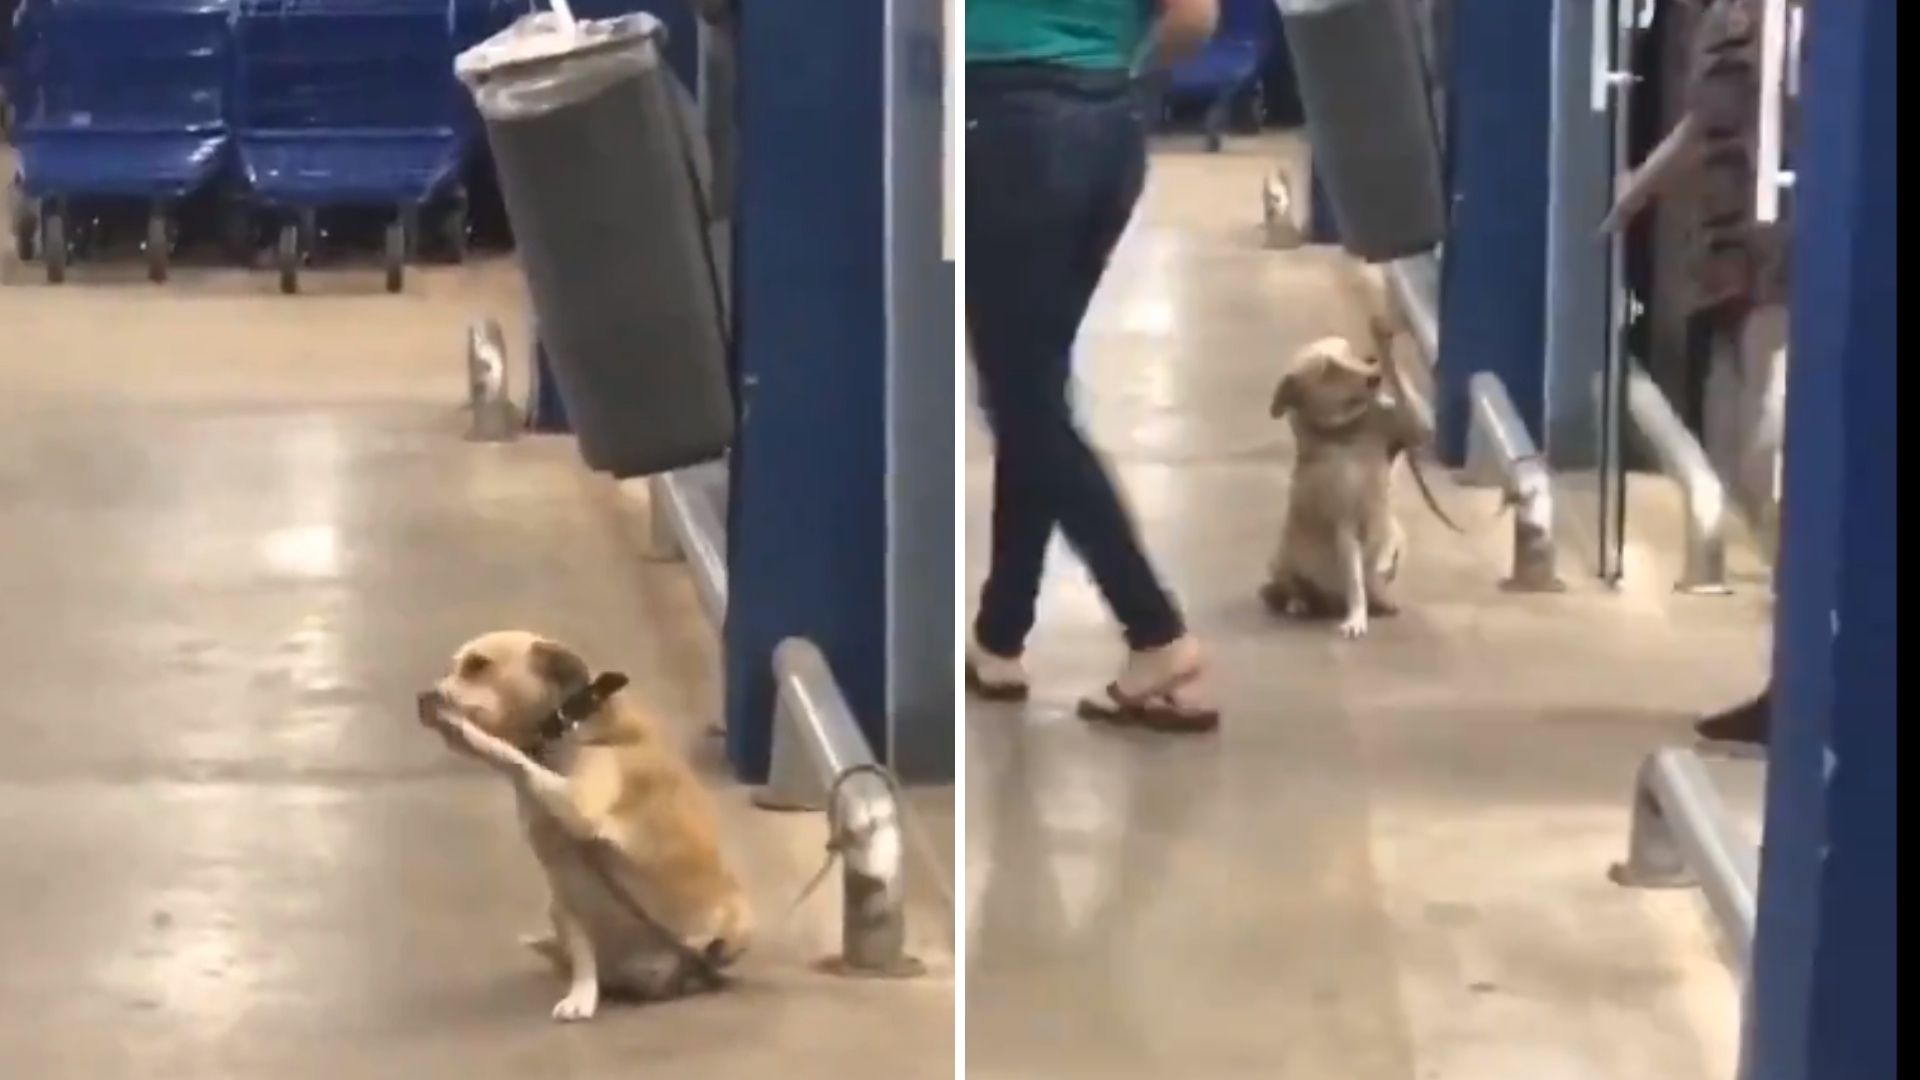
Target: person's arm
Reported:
[(1180, 30), (1664, 169)]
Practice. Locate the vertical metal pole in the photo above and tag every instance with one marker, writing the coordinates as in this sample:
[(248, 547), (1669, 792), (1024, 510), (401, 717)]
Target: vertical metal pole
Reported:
[(921, 527)]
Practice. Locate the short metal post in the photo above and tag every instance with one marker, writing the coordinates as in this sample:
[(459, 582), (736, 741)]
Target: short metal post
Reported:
[(494, 417), (1682, 835), (821, 759), (1704, 497), (1282, 209), (1501, 451)]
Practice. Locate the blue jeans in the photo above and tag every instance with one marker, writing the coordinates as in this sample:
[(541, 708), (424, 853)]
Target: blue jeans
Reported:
[(1055, 162)]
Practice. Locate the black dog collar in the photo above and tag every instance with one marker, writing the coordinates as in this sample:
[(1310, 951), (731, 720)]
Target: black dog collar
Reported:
[(579, 705)]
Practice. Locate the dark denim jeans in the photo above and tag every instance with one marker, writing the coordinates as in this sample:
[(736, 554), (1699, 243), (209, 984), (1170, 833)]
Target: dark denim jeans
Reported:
[(1055, 162)]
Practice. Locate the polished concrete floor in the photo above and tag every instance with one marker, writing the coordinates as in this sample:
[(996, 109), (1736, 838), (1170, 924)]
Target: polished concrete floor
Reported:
[(239, 531), (1391, 862)]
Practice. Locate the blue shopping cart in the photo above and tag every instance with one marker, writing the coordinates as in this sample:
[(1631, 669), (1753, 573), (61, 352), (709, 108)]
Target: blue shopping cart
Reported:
[(1224, 79), (117, 104), (349, 108)]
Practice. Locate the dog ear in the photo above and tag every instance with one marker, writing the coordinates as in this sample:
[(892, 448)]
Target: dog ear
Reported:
[(559, 666), (1283, 395)]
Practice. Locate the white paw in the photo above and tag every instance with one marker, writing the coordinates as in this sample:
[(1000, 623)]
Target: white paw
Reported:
[(579, 1004), (1355, 626)]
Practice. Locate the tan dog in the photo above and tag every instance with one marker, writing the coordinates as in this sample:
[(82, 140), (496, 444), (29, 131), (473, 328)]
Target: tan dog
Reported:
[(1341, 545), (642, 903)]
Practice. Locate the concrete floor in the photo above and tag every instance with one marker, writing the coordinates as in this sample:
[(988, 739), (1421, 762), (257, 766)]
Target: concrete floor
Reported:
[(1391, 862), (241, 529)]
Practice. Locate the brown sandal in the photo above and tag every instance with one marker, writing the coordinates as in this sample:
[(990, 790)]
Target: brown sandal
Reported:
[(998, 693), (1160, 710)]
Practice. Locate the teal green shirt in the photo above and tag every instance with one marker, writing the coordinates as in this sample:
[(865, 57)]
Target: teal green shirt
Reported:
[(1101, 35)]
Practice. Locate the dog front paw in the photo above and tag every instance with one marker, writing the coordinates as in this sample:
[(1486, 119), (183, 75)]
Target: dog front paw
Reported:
[(580, 1004), (1354, 626)]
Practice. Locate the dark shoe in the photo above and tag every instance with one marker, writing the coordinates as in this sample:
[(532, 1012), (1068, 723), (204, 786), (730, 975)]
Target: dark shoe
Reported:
[(1748, 723)]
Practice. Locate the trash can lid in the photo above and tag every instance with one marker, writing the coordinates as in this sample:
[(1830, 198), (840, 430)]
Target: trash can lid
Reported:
[(543, 37)]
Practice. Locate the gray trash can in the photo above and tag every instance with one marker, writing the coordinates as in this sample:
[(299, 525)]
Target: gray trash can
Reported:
[(1363, 88), (600, 171)]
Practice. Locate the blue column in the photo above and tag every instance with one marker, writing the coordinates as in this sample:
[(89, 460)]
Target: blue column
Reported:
[(1493, 274), (1824, 980), (807, 531)]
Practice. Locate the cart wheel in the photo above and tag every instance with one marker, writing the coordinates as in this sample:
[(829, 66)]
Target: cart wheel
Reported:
[(396, 255), (1252, 113), (236, 232), (159, 244), (53, 244), (26, 226), (309, 221), (454, 227), (289, 258)]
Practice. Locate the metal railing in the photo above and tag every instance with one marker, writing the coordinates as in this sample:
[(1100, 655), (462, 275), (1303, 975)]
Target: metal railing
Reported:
[(686, 525), (1704, 497), (1501, 454), (820, 760), (1414, 283), (1683, 836)]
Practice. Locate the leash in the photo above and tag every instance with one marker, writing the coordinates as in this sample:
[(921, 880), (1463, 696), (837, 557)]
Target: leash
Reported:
[(839, 839), (706, 964), (574, 710)]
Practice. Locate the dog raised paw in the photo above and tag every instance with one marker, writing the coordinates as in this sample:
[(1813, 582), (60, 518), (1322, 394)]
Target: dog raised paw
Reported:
[(580, 1004)]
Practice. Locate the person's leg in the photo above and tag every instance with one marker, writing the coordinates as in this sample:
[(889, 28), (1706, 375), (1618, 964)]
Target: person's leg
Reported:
[(1015, 218), (1051, 181)]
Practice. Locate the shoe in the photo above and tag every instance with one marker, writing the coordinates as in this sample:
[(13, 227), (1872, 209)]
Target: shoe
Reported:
[(1158, 689), (1748, 723), (991, 677)]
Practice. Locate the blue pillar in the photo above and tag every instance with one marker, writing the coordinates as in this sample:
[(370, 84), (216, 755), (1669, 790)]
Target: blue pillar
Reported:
[(807, 531), (1493, 273), (1824, 993)]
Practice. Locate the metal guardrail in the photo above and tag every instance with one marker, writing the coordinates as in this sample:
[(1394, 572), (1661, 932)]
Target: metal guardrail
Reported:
[(1704, 497), (1682, 836), (1414, 283), (1501, 454), (683, 524), (822, 762)]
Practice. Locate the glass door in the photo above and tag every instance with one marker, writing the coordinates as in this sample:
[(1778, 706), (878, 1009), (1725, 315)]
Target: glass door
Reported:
[(1587, 304)]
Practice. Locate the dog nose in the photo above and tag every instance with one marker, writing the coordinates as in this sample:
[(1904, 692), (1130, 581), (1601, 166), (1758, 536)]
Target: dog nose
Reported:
[(428, 705)]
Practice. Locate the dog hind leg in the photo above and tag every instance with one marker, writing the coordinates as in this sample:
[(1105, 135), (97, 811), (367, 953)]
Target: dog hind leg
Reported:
[(1381, 574)]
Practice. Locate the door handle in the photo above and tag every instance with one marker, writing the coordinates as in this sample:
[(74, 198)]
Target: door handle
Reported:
[(1779, 37)]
